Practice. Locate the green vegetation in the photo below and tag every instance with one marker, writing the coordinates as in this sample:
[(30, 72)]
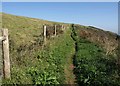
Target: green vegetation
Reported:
[(54, 58), (24, 30), (44, 66), (93, 67), (33, 63), (27, 54)]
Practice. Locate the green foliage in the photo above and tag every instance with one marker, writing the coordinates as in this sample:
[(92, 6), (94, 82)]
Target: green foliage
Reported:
[(74, 33), (33, 64), (93, 67), (43, 77), (50, 61), (42, 66), (30, 63)]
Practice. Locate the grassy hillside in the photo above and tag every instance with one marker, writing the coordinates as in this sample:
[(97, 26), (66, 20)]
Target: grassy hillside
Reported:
[(92, 65), (31, 28), (29, 57), (106, 39), (31, 63), (23, 30)]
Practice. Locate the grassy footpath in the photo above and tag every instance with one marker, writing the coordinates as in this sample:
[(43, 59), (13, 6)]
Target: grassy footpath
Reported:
[(43, 66), (69, 72)]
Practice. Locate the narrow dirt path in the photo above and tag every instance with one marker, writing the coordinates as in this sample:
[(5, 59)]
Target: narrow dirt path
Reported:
[(69, 72), (69, 67)]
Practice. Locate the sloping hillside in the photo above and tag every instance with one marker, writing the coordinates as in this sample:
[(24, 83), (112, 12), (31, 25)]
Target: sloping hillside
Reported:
[(92, 65), (106, 39), (23, 29), (33, 63), (27, 54), (26, 29)]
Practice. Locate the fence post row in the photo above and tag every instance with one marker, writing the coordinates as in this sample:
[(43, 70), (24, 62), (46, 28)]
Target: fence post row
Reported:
[(4, 53), (45, 30)]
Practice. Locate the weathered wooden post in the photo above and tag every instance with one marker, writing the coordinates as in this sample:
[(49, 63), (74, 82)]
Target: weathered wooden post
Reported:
[(6, 58), (44, 33), (4, 54), (1, 58), (55, 30), (62, 26)]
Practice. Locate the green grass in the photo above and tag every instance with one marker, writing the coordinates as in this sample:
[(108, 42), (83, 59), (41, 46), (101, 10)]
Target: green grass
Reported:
[(33, 64), (57, 53), (24, 30), (44, 66), (93, 66), (26, 53)]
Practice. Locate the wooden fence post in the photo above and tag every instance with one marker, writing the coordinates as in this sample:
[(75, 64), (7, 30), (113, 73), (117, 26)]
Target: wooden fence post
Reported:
[(1, 58), (63, 27), (6, 55), (44, 33), (55, 30)]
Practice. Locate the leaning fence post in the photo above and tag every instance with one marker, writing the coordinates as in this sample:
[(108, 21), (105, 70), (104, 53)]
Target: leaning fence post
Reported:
[(6, 58), (44, 33), (55, 30)]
